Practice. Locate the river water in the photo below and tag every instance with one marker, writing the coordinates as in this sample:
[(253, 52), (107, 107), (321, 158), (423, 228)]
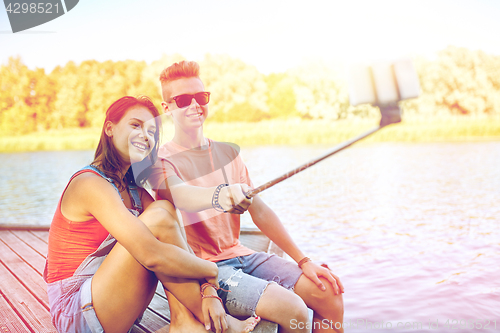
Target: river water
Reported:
[(412, 230)]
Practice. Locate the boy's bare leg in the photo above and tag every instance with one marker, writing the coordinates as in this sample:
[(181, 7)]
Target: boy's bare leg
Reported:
[(328, 308), (283, 307)]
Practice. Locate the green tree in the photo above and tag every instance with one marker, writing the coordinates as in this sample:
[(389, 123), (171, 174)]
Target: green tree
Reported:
[(460, 82), (238, 89), (319, 91), (26, 97), (111, 81), (281, 97), (71, 104)]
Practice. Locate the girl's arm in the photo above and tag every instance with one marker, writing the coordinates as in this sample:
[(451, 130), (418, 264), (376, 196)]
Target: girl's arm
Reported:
[(147, 199), (90, 195)]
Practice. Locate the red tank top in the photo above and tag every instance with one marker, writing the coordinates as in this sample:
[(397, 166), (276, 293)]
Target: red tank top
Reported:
[(71, 242)]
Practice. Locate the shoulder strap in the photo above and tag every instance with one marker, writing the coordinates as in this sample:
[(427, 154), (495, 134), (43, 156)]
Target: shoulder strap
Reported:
[(102, 174), (133, 190)]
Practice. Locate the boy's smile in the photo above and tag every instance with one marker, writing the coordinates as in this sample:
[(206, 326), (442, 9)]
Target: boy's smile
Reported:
[(192, 116)]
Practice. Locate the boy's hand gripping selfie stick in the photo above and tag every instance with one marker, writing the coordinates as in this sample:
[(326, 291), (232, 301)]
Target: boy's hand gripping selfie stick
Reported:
[(382, 85)]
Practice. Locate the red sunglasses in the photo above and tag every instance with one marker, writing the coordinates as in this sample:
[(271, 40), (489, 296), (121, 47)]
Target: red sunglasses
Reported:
[(201, 98)]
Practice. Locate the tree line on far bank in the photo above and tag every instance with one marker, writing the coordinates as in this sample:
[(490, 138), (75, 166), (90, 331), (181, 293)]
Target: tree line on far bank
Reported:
[(458, 82)]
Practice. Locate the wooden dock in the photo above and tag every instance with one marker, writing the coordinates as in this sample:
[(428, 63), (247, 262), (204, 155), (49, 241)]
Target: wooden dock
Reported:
[(24, 305)]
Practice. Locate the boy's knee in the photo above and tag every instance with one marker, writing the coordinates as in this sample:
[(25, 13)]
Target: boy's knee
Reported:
[(328, 299)]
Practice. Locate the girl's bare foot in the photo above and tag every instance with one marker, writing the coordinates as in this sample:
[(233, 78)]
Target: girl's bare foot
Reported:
[(242, 326)]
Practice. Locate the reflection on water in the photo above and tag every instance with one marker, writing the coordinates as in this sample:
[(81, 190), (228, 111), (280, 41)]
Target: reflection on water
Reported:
[(412, 229)]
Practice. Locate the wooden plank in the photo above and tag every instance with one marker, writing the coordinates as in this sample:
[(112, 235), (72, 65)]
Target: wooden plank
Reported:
[(24, 274), (30, 256), (24, 227), (275, 249), (35, 315), (138, 329), (23, 252), (152, 322), (159, 303), (9, 321), (266, 327), (32, 241), (43, 235), (256, 242)]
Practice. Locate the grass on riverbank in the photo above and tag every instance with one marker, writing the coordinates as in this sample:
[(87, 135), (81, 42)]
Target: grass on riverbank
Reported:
[(281, 132), (65, 139)]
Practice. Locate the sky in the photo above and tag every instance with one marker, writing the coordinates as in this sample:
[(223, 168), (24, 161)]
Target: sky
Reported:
[(269, 34)]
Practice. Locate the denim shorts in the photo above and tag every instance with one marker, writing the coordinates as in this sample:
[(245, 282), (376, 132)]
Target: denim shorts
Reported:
[(70, 299), (247, 277), (72, 310)]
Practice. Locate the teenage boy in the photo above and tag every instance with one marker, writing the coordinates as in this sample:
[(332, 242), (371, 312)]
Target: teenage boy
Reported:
[(260, 284)]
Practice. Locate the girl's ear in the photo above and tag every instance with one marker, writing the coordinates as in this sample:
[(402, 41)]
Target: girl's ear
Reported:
[(108, 128), (164, 105)]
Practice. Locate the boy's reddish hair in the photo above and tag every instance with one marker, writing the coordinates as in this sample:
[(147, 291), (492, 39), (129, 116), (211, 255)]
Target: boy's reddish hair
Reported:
[(178, 70)]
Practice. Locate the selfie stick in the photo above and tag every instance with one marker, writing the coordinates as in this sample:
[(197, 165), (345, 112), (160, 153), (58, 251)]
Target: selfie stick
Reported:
[(340, 147), (382, 85)]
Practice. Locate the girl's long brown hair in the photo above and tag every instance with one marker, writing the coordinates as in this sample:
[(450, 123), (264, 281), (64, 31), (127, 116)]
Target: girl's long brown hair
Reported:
[(106, 156)]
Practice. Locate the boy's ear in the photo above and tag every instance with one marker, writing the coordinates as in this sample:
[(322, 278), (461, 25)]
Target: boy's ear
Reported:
[(164, 105)]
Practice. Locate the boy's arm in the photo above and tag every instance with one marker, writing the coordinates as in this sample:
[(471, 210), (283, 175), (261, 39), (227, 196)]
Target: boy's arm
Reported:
[(269, 223), (194, 198), (185, 197)]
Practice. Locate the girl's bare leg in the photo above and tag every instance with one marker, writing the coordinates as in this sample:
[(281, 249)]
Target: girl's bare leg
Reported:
[(122, 288)]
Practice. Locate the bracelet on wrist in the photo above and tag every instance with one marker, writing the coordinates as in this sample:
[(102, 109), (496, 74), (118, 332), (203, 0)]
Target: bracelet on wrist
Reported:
[(212, 296), (215, 199), (303, 261), (207, 284)]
